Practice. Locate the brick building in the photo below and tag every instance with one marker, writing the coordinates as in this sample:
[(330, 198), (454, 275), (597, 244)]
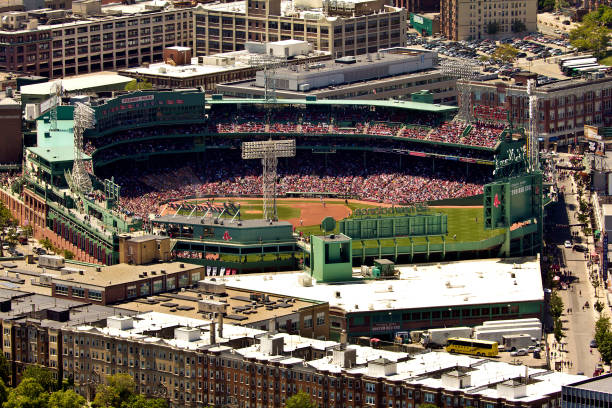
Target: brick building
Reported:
[(564, 107), (470, 20), (128, 35), (342, 28), (10, 139)]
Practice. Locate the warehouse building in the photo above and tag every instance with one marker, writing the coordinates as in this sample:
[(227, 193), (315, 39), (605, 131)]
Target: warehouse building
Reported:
[(465, 293)]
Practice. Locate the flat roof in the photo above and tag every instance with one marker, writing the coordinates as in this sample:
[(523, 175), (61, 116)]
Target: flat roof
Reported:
[(239, 307), (112, 275), (76, 84), (465, 283), (419, 106), (153, 321), (597, 384), (55, 154)]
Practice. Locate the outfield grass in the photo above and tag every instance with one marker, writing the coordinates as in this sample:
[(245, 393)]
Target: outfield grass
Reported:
[(465, 223)]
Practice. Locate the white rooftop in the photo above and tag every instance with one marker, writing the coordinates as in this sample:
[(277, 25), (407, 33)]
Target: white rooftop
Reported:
[(419, 286), (155, 321), (76, 84)]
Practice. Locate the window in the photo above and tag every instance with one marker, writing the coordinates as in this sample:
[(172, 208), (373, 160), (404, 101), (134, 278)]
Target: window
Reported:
[(320, 318), (95, 295), (145, 288), (78, 292), (429, 397), (61, 289), (131, 291), (171, 283)]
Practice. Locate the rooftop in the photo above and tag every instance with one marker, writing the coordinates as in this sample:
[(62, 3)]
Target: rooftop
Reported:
[(145, 323), (597, 384), (420, 106), (77, 84), (240, 310), (55, 154), (108, 275), (419, 286)]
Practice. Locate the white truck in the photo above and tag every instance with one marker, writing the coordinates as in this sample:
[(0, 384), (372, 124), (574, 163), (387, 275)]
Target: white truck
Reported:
[(497, 334), (531, 321), (439, 337), (51, 261), (513, 342)]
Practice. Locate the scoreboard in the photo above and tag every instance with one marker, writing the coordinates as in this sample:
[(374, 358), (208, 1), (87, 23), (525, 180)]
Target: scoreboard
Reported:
[(512, 200)]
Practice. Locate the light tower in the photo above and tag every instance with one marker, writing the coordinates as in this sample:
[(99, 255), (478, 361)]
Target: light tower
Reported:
[(83, 119), (269, 151), (55, 103), (532, 140), (465, 72), (268, 64)]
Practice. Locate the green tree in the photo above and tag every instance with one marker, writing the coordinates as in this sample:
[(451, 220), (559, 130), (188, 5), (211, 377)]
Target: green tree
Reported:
[(119, 390), (505, 53), (546, 5), (12, 238), (66, 399), (28, 231), (591, 36), (492, 27), (518, 26), (602, 326), (604, 346), (603, 15), (138, 85), (46, 243), (300, 400), (4, 390), (558, 329), (140, 401), (28, 394), (42, 376), (599, 306), (68, 254), (5, 369), (106, 397), (556, 305), (6, 220)]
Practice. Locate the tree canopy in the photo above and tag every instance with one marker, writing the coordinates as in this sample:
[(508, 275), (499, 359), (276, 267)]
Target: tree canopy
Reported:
[(300, 400), (593, 34), (120, 393)]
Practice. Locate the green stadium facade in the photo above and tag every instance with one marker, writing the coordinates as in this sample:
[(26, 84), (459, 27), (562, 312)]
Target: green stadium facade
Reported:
[(89, 225)]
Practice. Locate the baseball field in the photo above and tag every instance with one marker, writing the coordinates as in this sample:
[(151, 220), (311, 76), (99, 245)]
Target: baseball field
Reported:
[(465, 223)]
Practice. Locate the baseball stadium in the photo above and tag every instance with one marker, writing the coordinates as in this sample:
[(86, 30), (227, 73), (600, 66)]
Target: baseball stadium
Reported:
[(400, 180)]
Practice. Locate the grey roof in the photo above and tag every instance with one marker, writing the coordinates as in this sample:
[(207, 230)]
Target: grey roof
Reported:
[(598, 384)]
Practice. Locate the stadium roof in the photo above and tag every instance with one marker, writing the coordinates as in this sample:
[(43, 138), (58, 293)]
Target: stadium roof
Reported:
[(419, 106), (456, 284), (85, 83), (56, 154)]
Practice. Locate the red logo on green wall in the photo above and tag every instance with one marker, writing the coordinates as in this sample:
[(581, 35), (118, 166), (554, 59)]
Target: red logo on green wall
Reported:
[(496, 201), (226, 236)]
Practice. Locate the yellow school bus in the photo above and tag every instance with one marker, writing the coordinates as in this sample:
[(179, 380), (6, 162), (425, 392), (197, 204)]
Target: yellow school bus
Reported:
[(472, 347)]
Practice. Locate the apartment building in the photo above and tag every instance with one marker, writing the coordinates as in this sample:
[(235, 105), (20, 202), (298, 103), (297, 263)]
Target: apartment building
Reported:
[(125, 36), (564, 106), (471, 19), (347, 27), (195, 363)]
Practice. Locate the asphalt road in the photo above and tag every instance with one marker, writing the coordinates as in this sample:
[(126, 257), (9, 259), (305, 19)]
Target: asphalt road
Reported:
[(579, 324)]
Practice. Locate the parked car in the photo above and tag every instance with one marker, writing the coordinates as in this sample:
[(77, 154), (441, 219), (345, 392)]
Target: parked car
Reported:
[(568, 244), (519, 352), (593, 344)]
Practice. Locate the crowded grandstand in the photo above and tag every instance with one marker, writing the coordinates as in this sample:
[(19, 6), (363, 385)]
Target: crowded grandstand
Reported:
[(175, 145)]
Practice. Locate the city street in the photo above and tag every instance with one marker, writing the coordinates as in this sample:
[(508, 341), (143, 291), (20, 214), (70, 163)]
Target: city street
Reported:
[(579, 324)]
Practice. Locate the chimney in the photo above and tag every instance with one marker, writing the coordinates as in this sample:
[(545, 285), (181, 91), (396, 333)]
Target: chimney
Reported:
[(213, 340), (220, 322), (343, 338), (272, 325)]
